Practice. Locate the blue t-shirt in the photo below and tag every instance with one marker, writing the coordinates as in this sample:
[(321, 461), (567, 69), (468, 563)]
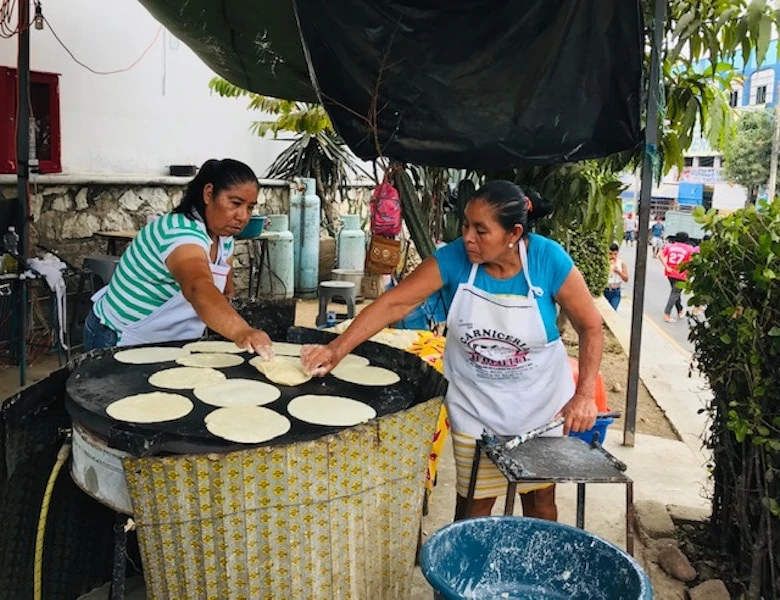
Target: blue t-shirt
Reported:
[(658, 229), (548, 266)]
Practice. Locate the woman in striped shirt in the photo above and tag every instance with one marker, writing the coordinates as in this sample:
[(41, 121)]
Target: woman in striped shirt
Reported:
[(175, 278)]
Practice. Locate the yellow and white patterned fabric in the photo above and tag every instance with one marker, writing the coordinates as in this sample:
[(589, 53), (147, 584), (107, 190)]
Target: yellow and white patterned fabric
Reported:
[(490, 482), (336, 517)]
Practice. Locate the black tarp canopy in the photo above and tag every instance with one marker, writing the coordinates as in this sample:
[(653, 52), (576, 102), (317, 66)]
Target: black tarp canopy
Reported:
[(459, 83)]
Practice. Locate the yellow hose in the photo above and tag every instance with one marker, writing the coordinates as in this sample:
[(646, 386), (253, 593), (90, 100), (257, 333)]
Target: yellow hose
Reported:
[(62, 456)]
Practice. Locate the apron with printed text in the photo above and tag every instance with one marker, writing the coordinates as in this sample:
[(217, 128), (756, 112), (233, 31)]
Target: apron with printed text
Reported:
[(503, 374)]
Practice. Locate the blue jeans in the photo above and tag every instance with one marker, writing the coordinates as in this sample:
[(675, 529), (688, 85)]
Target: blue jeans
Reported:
[(612, 296), (97, 335)]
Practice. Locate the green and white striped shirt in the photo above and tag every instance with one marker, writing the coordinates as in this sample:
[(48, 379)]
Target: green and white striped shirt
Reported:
[(142, 282)]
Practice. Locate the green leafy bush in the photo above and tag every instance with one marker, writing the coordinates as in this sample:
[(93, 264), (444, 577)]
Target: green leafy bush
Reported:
[(737, 347), (590, 251)]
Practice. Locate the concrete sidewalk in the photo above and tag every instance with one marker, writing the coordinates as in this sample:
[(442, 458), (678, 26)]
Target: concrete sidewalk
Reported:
[(665, 367)]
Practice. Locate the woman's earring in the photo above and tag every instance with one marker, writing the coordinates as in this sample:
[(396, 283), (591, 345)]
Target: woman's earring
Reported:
[(511, 245)]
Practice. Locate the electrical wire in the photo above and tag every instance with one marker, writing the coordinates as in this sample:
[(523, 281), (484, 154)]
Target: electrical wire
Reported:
[(95, 71)]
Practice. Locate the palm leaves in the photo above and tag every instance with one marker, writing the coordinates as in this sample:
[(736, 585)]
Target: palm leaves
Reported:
[(291, 116), (316, 152)]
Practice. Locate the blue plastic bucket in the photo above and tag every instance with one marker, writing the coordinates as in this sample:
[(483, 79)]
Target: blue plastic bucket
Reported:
[(253, 229), (516, 558), (600, 427)]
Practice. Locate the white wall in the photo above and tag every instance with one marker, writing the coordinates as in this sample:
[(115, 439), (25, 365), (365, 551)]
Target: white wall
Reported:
[(157, 114)]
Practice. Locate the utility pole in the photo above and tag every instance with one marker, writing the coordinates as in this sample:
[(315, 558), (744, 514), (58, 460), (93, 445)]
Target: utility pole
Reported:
[(23, 174), (772, 185), (643, 207)]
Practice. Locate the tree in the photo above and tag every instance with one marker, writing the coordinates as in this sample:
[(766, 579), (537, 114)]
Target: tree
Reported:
[(748, 153)]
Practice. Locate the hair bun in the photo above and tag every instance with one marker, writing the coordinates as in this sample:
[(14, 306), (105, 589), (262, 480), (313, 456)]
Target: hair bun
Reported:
[(538, 207)]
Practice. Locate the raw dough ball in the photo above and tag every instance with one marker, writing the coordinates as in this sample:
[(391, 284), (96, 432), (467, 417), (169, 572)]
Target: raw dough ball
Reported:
[(214, 346), (330, 410), (282, 370), (153, 407), (146, 356), (237, 392), (215, 361), (247, 424), (366, 375), (185, 378)]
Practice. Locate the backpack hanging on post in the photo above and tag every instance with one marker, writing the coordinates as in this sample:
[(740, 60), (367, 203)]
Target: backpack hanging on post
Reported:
[(385, 209), (384, 252)]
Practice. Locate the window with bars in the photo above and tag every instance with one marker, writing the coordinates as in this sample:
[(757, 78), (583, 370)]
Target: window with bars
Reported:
[(761, 94)]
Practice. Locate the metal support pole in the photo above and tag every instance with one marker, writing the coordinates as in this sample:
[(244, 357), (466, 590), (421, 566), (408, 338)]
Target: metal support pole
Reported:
[(630, 520), (651, 143), (23, 172), (581, 505), (119, 565), (511, 496), (473, 479)]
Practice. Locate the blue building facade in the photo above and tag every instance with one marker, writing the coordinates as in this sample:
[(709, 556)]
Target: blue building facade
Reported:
[(759, 87)]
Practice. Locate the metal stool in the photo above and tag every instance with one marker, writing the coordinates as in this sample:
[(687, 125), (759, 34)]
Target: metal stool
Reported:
[(328, 290), (99, 269)]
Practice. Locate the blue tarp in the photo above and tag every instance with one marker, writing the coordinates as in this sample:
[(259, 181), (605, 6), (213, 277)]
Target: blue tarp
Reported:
[(690, 194)]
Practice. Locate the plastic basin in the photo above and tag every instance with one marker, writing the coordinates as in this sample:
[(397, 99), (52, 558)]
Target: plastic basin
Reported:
[(253, 229), (516, 558)]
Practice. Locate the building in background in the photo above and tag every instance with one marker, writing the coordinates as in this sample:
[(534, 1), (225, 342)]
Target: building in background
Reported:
[(701, 180), (156, 112)]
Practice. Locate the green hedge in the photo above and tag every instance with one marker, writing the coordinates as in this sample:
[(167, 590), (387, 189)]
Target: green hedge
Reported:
[(737, 347), (590, 252)]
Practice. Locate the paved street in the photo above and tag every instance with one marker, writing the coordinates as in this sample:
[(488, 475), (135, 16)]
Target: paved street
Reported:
[(656, 294)]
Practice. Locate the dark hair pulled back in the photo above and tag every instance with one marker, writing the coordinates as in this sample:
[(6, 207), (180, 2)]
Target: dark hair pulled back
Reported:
[(512, 204), (222, 175)]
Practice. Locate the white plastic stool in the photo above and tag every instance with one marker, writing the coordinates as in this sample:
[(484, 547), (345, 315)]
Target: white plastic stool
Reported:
[(328, 290)]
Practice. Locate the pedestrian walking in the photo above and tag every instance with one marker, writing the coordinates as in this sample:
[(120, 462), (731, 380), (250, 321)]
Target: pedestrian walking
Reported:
[(674, 258), (618, 275)]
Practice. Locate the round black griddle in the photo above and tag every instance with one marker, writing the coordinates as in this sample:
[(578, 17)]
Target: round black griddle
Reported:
[(99, 379)]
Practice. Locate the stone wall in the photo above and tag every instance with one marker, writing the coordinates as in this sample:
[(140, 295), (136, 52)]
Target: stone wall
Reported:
[(65, 216)]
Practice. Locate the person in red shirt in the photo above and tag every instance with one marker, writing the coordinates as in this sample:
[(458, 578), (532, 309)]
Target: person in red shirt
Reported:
[(674, 258)]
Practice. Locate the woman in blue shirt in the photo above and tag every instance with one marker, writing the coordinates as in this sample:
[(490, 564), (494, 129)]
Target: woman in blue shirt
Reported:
[(507, 368)]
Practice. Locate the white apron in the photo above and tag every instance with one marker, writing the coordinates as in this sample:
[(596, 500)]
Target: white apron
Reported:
[(174, 320), (503, 374)]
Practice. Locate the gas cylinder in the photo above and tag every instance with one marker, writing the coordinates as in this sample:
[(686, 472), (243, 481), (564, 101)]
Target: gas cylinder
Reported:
[(351, 244), (305, 227), (296, 207), (278, 282)]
